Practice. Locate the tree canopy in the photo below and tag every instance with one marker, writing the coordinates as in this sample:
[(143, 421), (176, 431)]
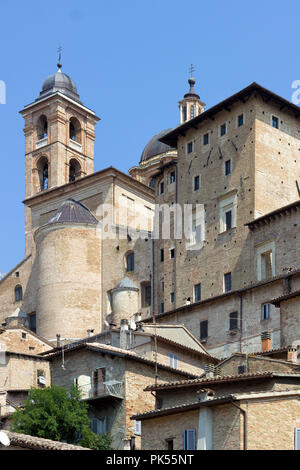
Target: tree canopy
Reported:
[(58, 414)]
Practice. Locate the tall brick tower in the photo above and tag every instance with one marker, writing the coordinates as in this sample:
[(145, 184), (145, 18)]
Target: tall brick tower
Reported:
[(59, 140)]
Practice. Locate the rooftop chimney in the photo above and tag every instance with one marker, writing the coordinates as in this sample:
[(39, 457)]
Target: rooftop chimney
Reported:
[(292, 354), (265, 341), (123, 333), (58, 341), (90, 333)]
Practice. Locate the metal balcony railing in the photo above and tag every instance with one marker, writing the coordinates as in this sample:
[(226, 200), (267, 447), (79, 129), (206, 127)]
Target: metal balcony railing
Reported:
[(110, 388)]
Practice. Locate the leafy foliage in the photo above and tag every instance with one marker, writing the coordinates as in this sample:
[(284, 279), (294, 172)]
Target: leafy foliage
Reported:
[(58, 414)]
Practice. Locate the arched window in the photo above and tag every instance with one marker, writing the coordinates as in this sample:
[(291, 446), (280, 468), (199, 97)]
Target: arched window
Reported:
[(18, 293), (42, 127), (130, 262), (75, 170), (43, 170), (75, 130)]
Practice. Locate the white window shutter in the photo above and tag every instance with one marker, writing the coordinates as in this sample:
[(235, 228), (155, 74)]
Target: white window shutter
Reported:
[(138, 428), (297, 439), (189, 439)]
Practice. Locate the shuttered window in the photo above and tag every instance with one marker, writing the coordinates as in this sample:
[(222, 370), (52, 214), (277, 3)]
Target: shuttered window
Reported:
[(297, 439), (173, 360), (138, 428), (189, 439), (99, 426)]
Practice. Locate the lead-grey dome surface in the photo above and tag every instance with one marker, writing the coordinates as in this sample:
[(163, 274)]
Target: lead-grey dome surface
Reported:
[(74, 212), (62, 83), (155, 147)]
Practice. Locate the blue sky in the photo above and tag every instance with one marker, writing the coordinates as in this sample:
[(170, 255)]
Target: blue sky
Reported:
[(130, 60)]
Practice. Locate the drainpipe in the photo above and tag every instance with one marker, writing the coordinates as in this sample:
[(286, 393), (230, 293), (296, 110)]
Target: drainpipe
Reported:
[(241, 322), (244, 413)]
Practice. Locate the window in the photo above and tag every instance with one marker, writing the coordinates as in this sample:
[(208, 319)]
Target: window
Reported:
[(172, 297), (190, 147), (74, 170), (265, 311), (42, 128), (197, 292), (75, 130), (297, 439), (172, 177), (23, 335), (162, 307), (172, 253), (184, 114), (162, 256), (161, 187), (275, 122), (130, 262), (227, 209), (152, 183), (32, 322), (203, 329), (138, 427), (233, 321), (170, 444), (228, 167), (227, 282), (196, 183), (266, 261), (99, 426), (228, 220), (223, 129), (206, 139), (18, 293), (173, 360), (146, 295), (189, 439), (241, 370), (240, 120), (192, 112), (162, 286)]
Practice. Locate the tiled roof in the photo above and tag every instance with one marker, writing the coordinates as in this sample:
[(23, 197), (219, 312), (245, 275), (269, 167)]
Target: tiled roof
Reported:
[(294, 206), (291, 295), (74, 212), (105, 348), (214, 380), (38, 443)]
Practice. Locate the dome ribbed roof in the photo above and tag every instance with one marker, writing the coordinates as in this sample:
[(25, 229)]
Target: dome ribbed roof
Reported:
[(59, 82), (126, 283), (74, 212), (155, 147)]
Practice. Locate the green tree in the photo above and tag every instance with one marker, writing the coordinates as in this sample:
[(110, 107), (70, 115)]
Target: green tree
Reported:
[(58, 414)]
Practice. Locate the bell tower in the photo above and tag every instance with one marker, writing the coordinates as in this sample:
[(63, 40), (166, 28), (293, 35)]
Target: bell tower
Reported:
[(191, 105), (59, 139)]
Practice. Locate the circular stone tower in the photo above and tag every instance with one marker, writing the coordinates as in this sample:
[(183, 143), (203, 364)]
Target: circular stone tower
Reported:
[(68, 261)]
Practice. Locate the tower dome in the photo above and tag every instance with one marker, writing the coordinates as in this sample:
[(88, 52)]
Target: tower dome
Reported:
[(59, 82), (155, 147)]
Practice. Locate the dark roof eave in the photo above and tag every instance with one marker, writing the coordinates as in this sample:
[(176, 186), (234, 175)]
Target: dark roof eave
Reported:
[(171, 137)]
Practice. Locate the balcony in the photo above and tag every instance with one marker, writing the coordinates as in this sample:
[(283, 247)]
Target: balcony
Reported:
[(75, 145), (102, 390), (41, 143)]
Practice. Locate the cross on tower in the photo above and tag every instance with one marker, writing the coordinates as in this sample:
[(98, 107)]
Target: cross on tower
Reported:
[(191, 70)]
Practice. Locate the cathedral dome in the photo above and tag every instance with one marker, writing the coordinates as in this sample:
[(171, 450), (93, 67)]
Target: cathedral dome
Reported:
[(155, 147), (59, 82)]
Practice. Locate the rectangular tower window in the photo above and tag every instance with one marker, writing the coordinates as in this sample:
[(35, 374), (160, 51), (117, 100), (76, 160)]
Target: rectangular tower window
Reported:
[(233, 321), (161, 188), (172, 297), (162, 307), (172, 177), (172, 253), (197, 292), (227, 282), (196, 183), (223, 129), (240, 120), (203, 329), (162, 256), (228, 220), (190, 147), (206, 139), (275, 122), (228, 167)]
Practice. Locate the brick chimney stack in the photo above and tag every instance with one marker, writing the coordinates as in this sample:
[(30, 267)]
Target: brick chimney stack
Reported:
[(292, 354), (265, 341)]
